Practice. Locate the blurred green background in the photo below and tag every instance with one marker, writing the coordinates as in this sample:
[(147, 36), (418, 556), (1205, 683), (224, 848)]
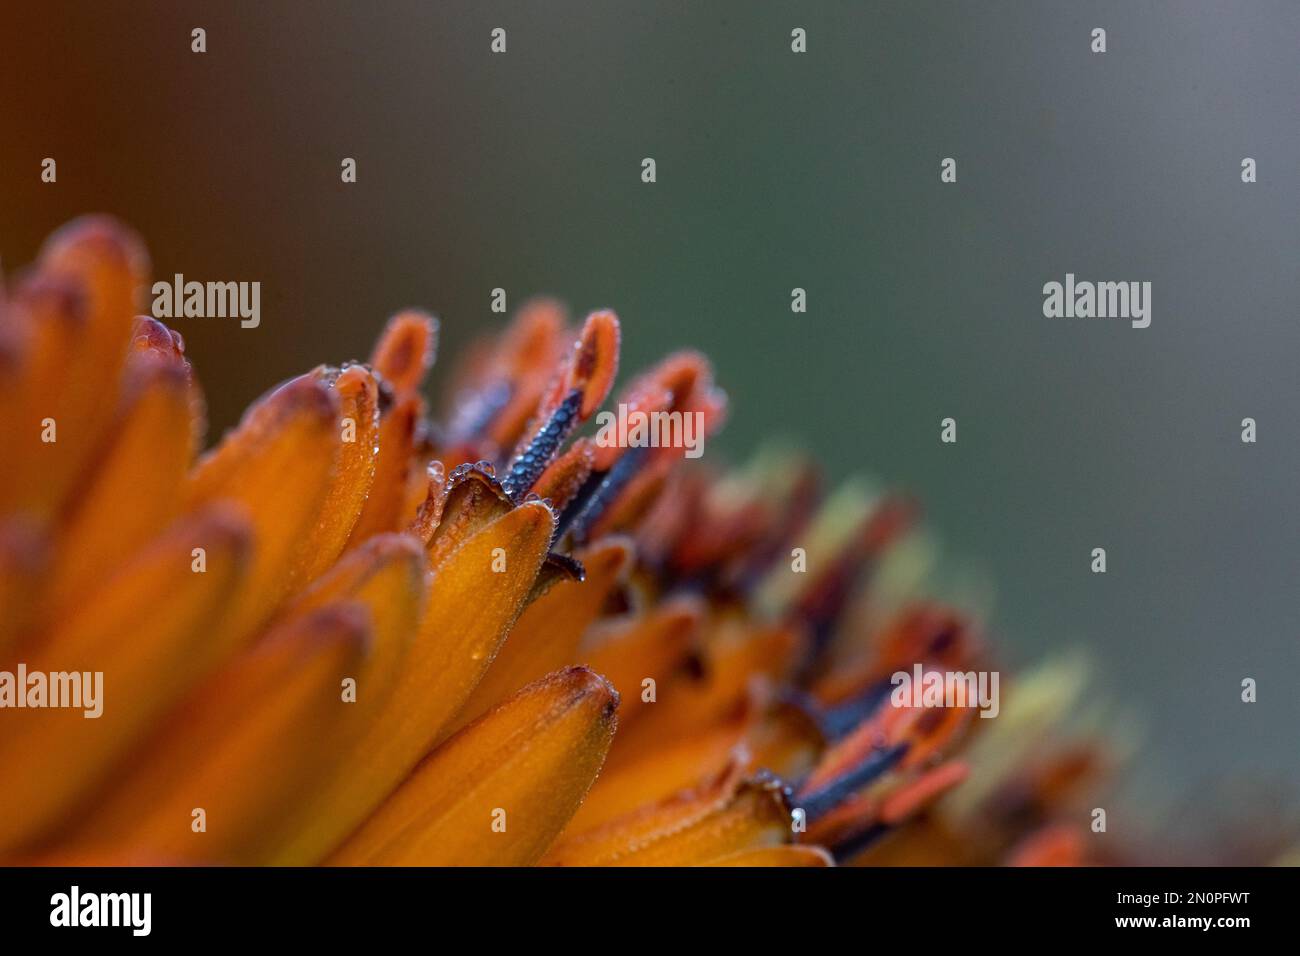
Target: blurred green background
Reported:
[(778, 170)]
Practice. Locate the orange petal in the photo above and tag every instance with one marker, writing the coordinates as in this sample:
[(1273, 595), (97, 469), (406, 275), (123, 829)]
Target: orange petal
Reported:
[(647, 396), (81, 858), (652, 647), (278, 465), (661, 772), (383, 510), (546, 636), (589, 370), (595, 361), (151, 339), (726, 816), (112, 263), (386, 576), (404, 353), (731, 657), (91, 274), (911, 798), (421, 478), (470, 610), (778, 856), (154, 343), (564, 476), (243, 748), (499, 792), (681, 373), (429, 514), (770, 736), (472, 499), (153, 630), (351, 478), (37, 407), (135, 490)]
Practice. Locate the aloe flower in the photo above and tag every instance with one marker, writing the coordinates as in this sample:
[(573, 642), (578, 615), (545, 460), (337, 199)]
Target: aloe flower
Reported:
[(349, 634)]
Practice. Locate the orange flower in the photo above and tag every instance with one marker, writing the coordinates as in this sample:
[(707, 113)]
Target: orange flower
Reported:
[(347, 635)]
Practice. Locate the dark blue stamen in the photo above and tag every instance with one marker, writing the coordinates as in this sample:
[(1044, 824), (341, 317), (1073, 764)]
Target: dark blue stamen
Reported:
[(532, 461), (856, 844), (597, 502), (830, 796), (579, 501), (839, 720)]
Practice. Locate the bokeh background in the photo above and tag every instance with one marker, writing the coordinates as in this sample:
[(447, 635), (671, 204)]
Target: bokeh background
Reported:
[(778, 170)]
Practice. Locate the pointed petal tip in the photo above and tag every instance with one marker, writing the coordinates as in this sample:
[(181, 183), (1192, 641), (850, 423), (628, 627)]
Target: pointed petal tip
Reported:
[(537, 512), (309, 395), (583, 682), (405, 351), (611, 556), (152, 337)]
